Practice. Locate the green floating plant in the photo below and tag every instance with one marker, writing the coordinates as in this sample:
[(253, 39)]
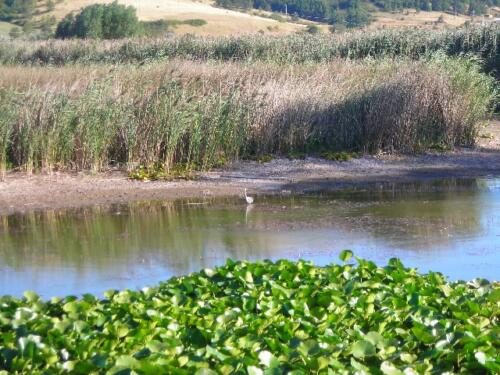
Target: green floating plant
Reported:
[(262, 318)]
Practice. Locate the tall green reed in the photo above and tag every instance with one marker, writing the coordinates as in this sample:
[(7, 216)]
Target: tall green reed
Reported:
[(481, 41), (8, 117)]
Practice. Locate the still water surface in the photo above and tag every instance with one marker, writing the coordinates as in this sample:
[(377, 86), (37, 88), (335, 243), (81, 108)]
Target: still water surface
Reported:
[(451, 226)]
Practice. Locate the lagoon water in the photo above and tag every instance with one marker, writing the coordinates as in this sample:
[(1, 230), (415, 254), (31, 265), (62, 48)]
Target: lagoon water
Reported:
[(450, 226)]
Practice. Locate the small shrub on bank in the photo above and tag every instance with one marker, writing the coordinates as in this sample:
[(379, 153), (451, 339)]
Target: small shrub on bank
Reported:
[(248, 318), (313, 29), (157, 171), (196, 22), (159, 28), (338, 156)]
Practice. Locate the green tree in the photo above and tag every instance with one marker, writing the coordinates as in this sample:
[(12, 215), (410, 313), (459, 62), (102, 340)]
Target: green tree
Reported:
[(66, 28), (119, 21), (27, 8), (88, 23), (357, 15), (100, 21), (356, 12)]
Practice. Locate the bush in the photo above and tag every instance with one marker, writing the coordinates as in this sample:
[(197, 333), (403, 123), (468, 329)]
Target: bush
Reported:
[(100, 21), (15, 32), (263, 317), (157, 28), (197, 22), (312, 29), (161, 27)]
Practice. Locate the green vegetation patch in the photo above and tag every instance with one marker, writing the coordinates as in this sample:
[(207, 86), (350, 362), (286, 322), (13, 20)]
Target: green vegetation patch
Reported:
[(160, 27), (157, 171), (339, 156), (263, 317), (100, 21), (354, 13), (290, 49)]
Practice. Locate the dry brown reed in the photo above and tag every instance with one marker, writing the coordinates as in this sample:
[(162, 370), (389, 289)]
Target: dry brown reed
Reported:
[(205, 114)]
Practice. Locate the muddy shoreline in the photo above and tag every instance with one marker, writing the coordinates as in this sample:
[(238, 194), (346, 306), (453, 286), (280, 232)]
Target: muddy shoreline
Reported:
[(21, 193)]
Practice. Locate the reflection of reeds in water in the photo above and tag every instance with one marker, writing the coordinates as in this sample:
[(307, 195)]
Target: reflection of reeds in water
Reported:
[(182, 236), (423, 215), (174, 234)]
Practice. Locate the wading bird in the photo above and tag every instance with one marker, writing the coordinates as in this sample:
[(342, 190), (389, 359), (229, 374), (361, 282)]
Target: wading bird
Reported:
[(248, 199)]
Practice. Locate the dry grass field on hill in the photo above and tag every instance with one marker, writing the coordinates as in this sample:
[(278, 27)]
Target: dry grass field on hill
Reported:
[(412, 18), (219, 21), (228, 22)]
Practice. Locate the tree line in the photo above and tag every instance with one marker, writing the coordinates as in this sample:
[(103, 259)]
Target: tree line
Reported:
[(11, 10), (21, 13), (353, 13)]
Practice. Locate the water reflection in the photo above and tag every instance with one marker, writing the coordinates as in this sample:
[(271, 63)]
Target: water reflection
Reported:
[(452, 226)]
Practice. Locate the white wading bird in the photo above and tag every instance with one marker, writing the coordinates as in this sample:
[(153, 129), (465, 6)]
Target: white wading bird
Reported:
[(247, 198)]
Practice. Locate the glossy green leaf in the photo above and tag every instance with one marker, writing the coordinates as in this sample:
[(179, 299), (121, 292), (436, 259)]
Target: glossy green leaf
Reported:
[(389, 369), (362, 349), (345, 255), (253, 370), (261, 318), (268, 360)]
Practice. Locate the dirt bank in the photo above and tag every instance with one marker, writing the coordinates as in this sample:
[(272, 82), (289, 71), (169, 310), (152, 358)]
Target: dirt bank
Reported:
[(21, 193)]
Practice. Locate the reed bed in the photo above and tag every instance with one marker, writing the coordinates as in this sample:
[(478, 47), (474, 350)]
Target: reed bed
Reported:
[(200, 115), (481, 41)]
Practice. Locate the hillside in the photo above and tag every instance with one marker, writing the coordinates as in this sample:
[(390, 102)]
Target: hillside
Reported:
[(219, 21), (356, 13)]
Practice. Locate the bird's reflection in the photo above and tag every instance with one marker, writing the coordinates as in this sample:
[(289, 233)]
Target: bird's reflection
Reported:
[(249, 208)]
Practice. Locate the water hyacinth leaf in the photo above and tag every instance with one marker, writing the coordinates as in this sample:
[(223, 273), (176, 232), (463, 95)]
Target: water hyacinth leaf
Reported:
[(268, 360), (362, 349), (495, 295), (481, 357), (206, 371), (31, 296), (359, 366), (407, 357), (253, 370), (389, 369), (215, 353), (127, 362), (156, 346), (375, 338), (423, 335), (308, 348), (293, 318), (209, 272), (441, 344), (248, 277), (345, 255)]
